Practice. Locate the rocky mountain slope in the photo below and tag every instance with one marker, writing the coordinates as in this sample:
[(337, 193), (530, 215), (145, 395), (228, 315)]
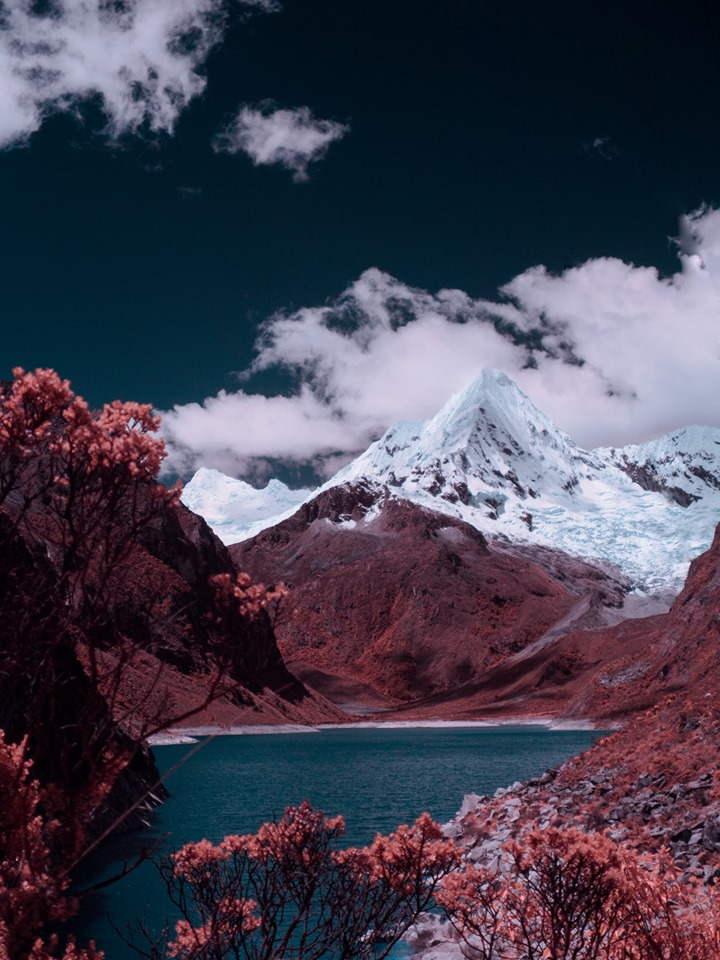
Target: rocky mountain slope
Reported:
[(391, 603), (653, 785), (145, 629), (169, 579), (492, 459), (424, 580), (656, 782)]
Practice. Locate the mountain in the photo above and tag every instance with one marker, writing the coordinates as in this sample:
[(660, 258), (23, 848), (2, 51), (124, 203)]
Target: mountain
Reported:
[(493, 460), (655, 782), (392, 603), (234, 509), (164, 598), (490, 457), (467, 565), (682, 465), (90, 670)]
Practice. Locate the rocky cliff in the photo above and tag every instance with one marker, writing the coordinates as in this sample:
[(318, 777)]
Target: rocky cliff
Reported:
[(90, 665)]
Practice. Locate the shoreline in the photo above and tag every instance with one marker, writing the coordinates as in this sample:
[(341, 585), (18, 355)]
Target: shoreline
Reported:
[(187, 735)]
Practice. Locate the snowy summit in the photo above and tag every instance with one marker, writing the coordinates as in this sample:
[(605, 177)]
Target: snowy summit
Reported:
[(493, 459), (234, 509)]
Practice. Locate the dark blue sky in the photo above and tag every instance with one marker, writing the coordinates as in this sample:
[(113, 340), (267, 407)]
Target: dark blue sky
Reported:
[(485, 138)]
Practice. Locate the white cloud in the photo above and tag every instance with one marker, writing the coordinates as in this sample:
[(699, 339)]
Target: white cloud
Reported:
[(142, 58), (612, 352), (289, 138), (600, 147)]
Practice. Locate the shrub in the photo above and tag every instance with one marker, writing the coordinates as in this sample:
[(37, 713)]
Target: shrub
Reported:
[(289, 891), (571, 895)]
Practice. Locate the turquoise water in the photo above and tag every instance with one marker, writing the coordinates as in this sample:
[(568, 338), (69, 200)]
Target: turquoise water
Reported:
[(377, 778)]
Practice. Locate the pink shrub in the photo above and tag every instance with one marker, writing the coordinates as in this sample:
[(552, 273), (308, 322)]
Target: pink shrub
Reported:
[(289, 891)]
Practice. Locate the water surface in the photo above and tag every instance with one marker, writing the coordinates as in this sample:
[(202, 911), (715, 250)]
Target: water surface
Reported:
[(377, 778)]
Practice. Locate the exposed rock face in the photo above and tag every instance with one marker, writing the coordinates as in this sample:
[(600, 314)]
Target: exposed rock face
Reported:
[(413, 604), (171, 570), (656, 782), (168, 599), (156, 619)]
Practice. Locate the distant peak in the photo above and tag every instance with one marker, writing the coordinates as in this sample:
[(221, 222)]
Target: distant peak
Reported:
[(487, 383), (490, 388), (495, 405)]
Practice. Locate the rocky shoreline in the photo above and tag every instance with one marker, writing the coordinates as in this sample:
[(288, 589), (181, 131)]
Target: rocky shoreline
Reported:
[(650, 814), (683, 817)]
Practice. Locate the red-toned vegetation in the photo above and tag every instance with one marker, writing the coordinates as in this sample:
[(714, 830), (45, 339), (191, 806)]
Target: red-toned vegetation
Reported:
[(78, 496), (33, 892), (561, 894), (289, 891), (570, 895)]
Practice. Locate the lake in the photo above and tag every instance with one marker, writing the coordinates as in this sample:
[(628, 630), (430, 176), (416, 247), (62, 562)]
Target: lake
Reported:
[(376, 777)]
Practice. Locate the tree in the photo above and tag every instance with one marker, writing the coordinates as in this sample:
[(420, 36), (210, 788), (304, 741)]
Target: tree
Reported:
[(31, 893), (78, 496), (290, 891)]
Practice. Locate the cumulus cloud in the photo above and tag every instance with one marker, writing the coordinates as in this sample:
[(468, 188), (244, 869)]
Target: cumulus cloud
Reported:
[(288, 138), (613, 353), (140, 58)]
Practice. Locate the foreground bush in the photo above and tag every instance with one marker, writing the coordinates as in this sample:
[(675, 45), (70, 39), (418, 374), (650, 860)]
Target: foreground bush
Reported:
[(571, 895), (289, 891)]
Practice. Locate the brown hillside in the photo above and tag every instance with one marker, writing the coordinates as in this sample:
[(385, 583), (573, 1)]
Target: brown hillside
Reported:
[(410, 604)]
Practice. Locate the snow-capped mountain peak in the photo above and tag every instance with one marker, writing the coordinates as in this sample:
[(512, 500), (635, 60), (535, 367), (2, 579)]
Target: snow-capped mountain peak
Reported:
[(494, 405), (683, 464), (491, 458), (235, 509), (486, 440)]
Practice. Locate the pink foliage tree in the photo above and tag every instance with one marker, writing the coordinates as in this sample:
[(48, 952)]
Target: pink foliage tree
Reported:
[(78, 491), (290, 891), (32, 892)]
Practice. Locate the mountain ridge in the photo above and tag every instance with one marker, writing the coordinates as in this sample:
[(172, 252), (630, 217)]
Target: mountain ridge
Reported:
[(490, 457), (409, 604)]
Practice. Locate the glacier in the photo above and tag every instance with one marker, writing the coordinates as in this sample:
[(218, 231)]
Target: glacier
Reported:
[(491, 458), (235, 510)]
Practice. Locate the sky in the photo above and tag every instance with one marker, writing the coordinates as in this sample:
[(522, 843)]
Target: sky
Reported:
[(289, 223)]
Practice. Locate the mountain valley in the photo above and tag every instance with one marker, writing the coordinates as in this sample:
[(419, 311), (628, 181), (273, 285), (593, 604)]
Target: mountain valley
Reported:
[(411, 587), (480, 564)]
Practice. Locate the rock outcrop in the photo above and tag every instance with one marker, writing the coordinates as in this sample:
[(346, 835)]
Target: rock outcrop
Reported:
[(147, 633)]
